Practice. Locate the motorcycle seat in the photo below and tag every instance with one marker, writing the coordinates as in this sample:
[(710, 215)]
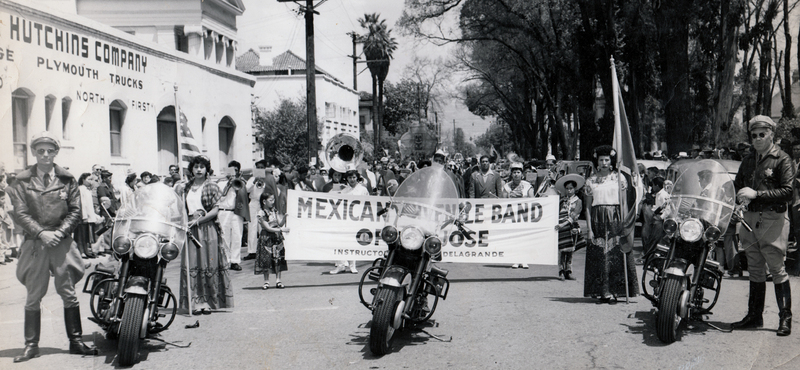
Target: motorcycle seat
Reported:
[(107, 269)]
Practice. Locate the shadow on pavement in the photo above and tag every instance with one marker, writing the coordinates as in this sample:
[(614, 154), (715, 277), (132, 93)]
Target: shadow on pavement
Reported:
[(410, 336), (646, 327)]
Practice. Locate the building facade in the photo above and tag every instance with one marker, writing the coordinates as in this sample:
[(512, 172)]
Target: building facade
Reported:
[(283, 76), (111, 94)]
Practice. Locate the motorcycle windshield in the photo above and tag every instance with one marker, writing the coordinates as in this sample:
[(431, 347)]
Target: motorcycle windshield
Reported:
[(426, 199), (702, 189), (155, 209)]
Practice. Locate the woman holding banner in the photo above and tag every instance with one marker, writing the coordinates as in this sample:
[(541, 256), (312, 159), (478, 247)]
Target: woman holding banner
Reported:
[(605, 268)]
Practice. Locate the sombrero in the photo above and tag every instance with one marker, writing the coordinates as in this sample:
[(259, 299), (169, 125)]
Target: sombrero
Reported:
[(578, 179)]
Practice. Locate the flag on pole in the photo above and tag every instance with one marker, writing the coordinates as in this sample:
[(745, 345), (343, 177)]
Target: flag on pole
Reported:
[(493, 154), (626, 164), (189, 146)]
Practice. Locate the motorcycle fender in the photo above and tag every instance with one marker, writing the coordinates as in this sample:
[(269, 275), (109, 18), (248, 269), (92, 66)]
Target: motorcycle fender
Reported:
[(396, 276), (137, 285), (675, 271)]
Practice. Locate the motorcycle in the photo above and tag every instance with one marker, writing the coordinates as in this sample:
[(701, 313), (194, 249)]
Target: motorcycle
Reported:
[(422, 213), (680, 269), (134, 301)]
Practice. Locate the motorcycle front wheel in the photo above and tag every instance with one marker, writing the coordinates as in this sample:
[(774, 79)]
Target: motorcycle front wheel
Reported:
[(668, 318), (381, 330), (131, 325)]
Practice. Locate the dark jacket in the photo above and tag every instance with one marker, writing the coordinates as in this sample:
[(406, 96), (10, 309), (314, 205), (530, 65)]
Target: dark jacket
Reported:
[(37, 209), (772, 177)]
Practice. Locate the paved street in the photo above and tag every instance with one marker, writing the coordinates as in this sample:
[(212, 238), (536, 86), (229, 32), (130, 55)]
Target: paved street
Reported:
[(498, 318)]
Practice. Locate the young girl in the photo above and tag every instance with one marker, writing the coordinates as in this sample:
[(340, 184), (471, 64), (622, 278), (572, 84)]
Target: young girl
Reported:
[(270, 254), (568, 229)]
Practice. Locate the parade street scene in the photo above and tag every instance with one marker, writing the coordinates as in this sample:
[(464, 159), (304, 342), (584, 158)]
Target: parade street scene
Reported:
[(360, 184)]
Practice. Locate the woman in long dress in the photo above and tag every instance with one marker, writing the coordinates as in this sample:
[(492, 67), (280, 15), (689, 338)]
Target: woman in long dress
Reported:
[(605, 267), (210, 282)]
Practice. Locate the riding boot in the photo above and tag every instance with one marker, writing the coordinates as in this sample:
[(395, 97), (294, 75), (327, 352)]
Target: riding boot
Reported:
[(784, 296), (72, 321), (33, 321), (755, 308)]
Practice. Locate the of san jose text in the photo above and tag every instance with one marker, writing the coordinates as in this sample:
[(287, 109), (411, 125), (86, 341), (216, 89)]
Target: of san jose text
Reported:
[(356, 210)]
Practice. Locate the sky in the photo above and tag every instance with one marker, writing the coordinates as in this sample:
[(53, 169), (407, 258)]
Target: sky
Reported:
[(270, 23)]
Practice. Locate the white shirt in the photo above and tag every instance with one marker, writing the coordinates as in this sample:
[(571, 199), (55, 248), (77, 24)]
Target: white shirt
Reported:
[(194, 199), (359, 189)]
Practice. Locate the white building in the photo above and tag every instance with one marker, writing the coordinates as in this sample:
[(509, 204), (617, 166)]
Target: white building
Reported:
[(283, 76), (108, 86)]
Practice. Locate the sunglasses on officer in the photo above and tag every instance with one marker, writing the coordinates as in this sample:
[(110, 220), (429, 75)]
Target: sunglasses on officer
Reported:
[(46, 151), (759, 135)]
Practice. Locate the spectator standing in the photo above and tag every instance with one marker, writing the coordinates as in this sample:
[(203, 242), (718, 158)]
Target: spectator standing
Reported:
[(106, 195), (47, 206), (84, 232), (210, 282), (354, 187), (569, 232), (485, 183), (271, 255), (605, 269), (517, 188), (234, 212), (256, 185)]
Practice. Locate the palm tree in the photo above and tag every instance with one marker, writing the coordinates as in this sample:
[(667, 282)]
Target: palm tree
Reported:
[(378, 48)]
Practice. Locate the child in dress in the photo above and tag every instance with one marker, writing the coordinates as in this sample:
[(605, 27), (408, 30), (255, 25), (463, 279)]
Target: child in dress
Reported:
[(270, 254), (568, 229)]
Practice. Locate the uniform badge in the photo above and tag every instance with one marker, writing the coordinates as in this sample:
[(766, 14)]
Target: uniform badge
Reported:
[(768, 172), (63, 194)]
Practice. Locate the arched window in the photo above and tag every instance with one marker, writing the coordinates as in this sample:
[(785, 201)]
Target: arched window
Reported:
[(49, 106), (65, 104), (21, 104), (226, 131), (116, 119), (167, 139)]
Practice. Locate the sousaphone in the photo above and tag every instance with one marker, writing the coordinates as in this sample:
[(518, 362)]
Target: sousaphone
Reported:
[(343, 153)]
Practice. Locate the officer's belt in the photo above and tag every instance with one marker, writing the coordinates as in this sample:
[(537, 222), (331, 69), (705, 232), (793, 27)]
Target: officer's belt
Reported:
[(766, 207)]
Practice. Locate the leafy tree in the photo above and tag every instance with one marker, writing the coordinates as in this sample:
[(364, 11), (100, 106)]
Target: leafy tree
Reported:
[(283, 132), (378, 48)]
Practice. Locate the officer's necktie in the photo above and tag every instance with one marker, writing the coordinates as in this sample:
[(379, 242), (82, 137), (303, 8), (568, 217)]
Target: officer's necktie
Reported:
[(46, 180)]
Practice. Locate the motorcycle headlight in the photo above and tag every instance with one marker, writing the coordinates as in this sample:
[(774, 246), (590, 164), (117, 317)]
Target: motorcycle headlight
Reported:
[(712, 234), (433, 245), (670, 227), (691, 230), (411, 238), (169, 251), (389, 234), (121, 245), (145, 246)]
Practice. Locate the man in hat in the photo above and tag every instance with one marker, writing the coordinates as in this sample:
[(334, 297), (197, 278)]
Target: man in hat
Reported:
[(47, 206), (764, 185)]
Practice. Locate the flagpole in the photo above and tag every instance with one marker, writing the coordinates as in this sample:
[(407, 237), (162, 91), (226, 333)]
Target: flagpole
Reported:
[(622, 203), (180, 172)]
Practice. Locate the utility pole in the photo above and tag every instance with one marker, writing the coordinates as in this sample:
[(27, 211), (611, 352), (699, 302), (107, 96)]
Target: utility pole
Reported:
[(355, 58), (311, 79)]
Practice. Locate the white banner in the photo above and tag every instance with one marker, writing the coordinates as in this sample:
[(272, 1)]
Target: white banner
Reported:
[(325, 226)]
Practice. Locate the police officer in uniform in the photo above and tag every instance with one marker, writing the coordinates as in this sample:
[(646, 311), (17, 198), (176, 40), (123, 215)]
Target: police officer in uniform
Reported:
[(764, 184), (47, 206)]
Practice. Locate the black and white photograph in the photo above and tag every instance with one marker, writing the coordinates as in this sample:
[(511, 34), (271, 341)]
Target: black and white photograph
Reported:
[(399, 184)]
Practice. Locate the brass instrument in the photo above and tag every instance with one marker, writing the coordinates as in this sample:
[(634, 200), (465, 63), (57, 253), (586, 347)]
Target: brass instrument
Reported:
[(259, 184), (343, 153), (237, 183)]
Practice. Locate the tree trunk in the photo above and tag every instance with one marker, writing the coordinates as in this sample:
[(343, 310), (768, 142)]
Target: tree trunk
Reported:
[(788, 107), (723, 91), (673, 34), (375, 132), (380, 106)]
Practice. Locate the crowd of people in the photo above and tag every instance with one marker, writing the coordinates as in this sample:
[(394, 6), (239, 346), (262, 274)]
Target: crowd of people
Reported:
[(227, 213)]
